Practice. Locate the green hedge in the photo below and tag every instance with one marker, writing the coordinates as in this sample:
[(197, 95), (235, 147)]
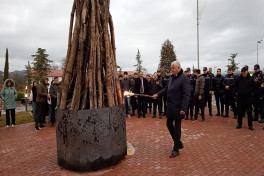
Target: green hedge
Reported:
[(20, 95)]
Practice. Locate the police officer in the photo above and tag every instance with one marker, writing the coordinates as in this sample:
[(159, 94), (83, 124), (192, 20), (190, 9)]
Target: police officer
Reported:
[(165, 84), (258, 77), (229, 83), (192, 87), (208, 88), (218, 92), (262, 101)]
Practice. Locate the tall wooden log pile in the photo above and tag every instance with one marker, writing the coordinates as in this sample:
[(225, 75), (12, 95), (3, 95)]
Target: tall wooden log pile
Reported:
[(89, 78)]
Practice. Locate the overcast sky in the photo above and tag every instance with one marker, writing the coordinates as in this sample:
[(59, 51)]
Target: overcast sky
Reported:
[(226, 27)]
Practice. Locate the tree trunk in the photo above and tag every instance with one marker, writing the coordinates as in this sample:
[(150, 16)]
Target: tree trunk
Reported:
[(90, 67)]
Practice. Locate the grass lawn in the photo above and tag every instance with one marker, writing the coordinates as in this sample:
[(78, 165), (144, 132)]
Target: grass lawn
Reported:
[(21, 118)]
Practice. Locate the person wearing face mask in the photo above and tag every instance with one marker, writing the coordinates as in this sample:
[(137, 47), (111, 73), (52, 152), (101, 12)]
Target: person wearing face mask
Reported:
[(244, 87)]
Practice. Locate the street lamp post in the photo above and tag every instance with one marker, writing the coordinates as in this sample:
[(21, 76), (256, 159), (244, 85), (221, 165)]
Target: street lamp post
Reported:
[(257, 48)]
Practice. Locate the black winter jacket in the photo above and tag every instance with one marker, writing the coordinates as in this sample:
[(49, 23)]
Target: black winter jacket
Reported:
[(229, 80), (208, 86), (244, 86), (218, 83), (178, 95)]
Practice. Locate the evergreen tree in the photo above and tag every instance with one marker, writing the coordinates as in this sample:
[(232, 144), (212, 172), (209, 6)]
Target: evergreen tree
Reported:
[(232, 62), (167, 56), (41, 63), (28, 76), (139, 67), (6, 71)]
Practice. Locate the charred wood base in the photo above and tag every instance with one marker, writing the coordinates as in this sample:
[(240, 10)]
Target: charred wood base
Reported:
[(91, 139)]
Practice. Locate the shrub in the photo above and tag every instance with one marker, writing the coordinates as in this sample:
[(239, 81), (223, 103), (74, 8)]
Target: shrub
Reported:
[(20, 95)]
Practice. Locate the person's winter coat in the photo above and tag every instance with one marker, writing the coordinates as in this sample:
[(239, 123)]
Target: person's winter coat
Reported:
[(9, 95), (244, 86), (178, 95), (42, 92)]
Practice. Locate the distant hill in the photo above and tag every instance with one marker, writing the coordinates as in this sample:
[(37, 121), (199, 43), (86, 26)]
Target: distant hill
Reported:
[(17, 72)]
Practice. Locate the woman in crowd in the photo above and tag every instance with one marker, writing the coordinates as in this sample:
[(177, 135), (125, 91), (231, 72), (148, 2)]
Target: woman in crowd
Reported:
[(9, 95)]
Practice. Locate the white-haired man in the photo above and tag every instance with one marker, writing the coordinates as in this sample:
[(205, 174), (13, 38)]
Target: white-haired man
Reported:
[(178, 96)]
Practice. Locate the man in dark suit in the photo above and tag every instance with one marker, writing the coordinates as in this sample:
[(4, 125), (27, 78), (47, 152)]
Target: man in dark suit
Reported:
[(141, 87), (178, 96)]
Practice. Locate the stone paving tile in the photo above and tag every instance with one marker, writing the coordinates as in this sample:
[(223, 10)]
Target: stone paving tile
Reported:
[(213, 147)]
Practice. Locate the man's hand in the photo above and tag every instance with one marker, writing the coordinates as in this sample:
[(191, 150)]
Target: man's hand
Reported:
[(136, 96), (255, 79), (200, 97), (211, 92), (48, 96), (155, 96), (262, 85), (182, 113), (227, 87)]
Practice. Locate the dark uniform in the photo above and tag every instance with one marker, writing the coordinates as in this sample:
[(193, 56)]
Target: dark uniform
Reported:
[(218, 92), (165, 82), (141, 87), (208, 87), (262, 102), (229, 94), (191, 102), (257, 77), (244, 86)]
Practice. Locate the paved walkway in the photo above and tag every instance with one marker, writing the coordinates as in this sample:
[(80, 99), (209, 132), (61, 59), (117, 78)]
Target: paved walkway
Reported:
[(213, 147)]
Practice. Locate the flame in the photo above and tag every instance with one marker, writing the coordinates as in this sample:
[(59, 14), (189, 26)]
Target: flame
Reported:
[(128, 94)]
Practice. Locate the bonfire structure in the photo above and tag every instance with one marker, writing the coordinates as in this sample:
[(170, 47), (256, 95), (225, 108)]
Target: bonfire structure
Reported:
[(90, 120)]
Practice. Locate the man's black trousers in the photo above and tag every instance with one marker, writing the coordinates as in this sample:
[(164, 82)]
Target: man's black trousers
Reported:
[(244, 104), (174, 127)]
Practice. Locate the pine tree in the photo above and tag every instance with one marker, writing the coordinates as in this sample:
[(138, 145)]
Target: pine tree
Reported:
[(41, 63), (6, 71), (167, 56), (28, 76), (232, 62), (139, 67)]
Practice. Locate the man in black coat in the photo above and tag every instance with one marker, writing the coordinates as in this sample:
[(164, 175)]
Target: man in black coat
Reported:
[(208, 88), (192, 87), (141, 87), (218, 92), (257, 77), (244, 86), (229, 93), (178, 96), (165, 82)]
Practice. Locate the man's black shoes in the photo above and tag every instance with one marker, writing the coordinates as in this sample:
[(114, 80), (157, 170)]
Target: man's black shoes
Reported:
[(238, 126), (174, 154), (181, 146), (251, 127)]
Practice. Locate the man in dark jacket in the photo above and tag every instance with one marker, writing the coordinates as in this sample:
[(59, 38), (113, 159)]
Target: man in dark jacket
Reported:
[(165, 82), (149, 99), (229, 94), (244, 86), (41, 101), (199, 94), (262, 100), (133, 99), (208, 88), (155, 87), (141, 87), (218, 92), (178, 96), (126, 86), (53, 94), (257, 77), (192, 87)]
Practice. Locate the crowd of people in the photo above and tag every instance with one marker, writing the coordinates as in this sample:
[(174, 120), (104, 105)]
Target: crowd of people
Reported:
[(242, 93), (43, 97)]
